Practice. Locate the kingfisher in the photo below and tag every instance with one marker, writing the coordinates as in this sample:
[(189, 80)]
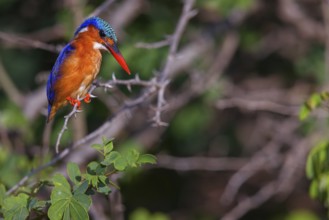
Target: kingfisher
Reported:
[(78, 64)]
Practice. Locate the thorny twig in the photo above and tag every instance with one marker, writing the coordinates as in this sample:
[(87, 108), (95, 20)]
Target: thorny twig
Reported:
[(186, 15), (130, 82)]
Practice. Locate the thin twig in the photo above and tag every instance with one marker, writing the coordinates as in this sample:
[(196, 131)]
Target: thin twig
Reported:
[(28, 43), (154, 45), (200, 163), (290, 174), (160, 106), (130, 82), (268, 157), (100, 9), (186, 15), (258, 105), (64, 128)]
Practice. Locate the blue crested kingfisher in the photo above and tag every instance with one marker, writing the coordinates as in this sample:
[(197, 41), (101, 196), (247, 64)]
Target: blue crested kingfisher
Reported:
[(78, 64)]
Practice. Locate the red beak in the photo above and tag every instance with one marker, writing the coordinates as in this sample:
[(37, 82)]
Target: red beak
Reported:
[(118, 56)]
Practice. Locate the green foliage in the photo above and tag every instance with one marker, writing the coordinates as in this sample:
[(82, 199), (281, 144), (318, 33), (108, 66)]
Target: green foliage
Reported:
[(72, 201), (312, 65), (12, 166), (73, 172), (65, 204), (143, 214), (16, 207), (317, 167), (301, 215), (316, 100), (12, 118), (2, 194)]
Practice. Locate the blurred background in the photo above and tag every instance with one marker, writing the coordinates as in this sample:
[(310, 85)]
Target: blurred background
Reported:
[(233, 148)]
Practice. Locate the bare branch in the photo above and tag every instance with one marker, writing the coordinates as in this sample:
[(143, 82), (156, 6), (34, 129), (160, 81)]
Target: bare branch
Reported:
[(258, 105), (186, 15), (200, 163), (130, 82), (154, 45), (100, 9), (64, 128), (268, 157), (294, 164), (12, 39)]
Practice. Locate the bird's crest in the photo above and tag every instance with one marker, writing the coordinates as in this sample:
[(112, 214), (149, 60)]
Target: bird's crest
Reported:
[(100, 24)]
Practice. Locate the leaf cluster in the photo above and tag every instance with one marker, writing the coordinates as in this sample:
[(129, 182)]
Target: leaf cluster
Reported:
[(315, 101), (73, 200), (317, 170)]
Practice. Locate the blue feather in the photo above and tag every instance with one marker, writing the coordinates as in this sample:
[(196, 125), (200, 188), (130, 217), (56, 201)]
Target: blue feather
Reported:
[(55, 74), (100, 24)]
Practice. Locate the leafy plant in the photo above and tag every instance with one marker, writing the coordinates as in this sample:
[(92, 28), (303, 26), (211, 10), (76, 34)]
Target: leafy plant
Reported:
[(315, 101), (317, 170), (72, 201)]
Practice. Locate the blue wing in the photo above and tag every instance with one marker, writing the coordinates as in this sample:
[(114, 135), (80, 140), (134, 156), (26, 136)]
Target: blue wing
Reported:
[(55, 74)]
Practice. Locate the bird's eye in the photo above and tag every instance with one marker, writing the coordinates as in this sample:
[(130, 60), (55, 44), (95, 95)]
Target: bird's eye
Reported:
[(101, 33)]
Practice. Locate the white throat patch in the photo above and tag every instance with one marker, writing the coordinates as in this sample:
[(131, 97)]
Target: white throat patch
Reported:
[(99, 46)]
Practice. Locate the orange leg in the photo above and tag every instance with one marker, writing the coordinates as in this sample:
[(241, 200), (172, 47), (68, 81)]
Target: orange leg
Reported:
[(73, 101), (87, 99)]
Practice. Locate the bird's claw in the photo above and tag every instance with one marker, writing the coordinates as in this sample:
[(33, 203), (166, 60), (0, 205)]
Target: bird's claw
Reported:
[(88, 97), (74, 102)]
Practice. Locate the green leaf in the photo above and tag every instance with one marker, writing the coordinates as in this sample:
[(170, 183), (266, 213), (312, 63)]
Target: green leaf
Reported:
[(106, 141), (102, 186), (120, 163), (15, 207), (37, 204), (60, 181), (108, 147), (147, 158), (98, 147), (131, 157), (31, 203), (84, 200), (313, 102), (104, 189), (317, 160), (68, 209), (64, 205), (82, 188), (95, 168), (304, 112), (313, 190), (92, 179), (110, 158), (73, 172), (2, 194)]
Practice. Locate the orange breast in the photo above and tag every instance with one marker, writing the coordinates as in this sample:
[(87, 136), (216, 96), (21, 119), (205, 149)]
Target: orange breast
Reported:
[(77, 72)]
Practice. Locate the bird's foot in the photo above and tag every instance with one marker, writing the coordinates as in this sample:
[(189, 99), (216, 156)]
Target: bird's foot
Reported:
[(74, 102), (88, 97)]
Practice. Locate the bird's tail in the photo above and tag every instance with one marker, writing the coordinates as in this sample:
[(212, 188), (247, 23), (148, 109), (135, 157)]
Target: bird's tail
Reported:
[(51, 113)]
